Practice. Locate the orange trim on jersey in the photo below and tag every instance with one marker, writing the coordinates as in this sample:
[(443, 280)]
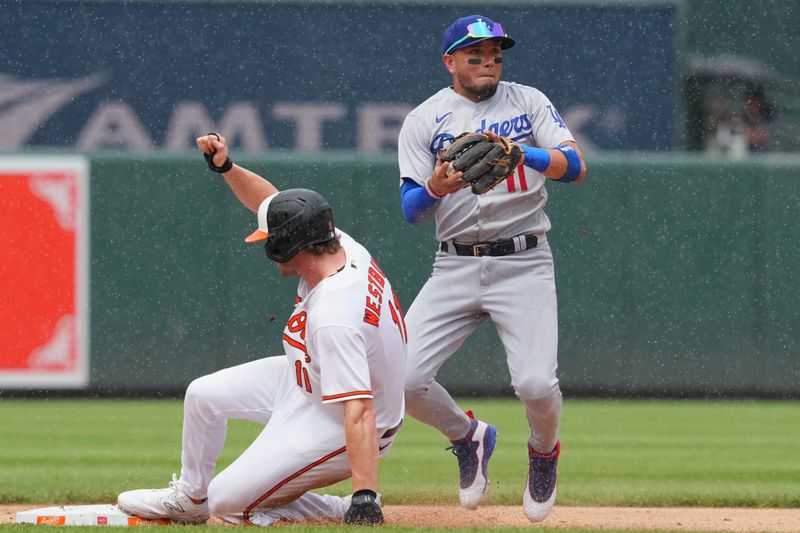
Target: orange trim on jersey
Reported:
[(398, 314), (296, 344), (346, 394), (300, 472), (396, 319)]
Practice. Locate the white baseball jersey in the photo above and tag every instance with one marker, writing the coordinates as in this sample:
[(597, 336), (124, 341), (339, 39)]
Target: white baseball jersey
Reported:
[(518, 112), (346, 338)]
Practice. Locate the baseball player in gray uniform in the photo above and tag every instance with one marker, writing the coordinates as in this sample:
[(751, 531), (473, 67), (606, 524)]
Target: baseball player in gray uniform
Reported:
[(330, 407), (493, 260)]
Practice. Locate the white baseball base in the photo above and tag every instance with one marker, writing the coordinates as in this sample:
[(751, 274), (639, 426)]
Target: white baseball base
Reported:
[(84, 515)]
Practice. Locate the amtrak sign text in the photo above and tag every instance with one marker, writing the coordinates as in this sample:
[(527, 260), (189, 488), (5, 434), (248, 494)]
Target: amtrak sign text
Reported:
[(30, 106), (115, 125)]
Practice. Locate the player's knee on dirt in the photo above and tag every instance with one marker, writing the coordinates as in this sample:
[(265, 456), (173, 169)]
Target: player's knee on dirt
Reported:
[(223, 505)]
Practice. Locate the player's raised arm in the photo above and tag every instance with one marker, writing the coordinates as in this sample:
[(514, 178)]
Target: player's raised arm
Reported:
[(249, 187)]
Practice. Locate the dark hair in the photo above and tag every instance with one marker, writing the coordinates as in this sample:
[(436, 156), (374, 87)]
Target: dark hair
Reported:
[(328, 247)]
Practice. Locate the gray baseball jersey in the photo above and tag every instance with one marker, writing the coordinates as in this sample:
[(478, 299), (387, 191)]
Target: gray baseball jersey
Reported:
[(518, 112)]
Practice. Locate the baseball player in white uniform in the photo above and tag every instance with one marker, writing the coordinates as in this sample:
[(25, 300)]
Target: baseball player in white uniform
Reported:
[(493, 261), (330, 407)]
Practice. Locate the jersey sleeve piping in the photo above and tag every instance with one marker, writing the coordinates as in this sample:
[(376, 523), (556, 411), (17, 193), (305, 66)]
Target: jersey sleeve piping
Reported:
[(331, 398)]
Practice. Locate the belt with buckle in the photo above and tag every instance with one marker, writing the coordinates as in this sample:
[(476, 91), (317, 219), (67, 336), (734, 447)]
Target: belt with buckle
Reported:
[(391, 431), (492, 248)]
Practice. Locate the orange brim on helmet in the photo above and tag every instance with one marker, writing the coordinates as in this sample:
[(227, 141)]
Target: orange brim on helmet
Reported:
[(262, 233), (256, 236)]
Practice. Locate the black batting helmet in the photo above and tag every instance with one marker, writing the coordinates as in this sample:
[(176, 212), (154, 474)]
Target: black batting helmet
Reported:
[(292, 220)]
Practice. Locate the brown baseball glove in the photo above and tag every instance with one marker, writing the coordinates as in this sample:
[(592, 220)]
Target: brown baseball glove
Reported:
[(483, 162)]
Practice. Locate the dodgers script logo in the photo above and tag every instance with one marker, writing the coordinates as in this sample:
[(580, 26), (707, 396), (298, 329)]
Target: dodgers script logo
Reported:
[(516, 128), (440, 142)]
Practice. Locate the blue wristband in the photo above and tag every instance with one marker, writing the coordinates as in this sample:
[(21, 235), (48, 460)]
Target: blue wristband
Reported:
[(536, 158), (574, 166)]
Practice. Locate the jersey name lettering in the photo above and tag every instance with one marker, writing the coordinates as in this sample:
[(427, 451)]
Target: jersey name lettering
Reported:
[(372, 307)]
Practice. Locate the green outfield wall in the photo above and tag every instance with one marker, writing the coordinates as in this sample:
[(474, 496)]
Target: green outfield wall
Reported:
[(676, 275)]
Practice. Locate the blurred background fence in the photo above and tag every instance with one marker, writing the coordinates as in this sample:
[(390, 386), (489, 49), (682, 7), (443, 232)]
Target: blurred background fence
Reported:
[(677, 274), (676, 270)]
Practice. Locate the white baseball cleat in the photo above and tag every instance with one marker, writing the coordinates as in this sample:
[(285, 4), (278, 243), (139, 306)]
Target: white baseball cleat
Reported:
[(170, 503), (473, 453), (539, 495)]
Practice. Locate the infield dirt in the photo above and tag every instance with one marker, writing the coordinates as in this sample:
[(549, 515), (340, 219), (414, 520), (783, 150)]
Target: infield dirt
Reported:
[(735, 520)]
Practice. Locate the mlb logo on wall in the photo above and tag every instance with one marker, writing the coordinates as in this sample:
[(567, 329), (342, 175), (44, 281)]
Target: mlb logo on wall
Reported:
[(44, 272)]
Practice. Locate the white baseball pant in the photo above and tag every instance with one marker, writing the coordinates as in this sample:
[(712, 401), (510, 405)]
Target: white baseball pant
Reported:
[(302, 446)]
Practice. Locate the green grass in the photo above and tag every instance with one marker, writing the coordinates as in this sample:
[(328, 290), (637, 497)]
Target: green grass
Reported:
[(634, 453)]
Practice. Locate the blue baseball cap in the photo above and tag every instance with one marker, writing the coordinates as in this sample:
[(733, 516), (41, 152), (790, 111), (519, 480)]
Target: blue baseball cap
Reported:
[(473, 29)]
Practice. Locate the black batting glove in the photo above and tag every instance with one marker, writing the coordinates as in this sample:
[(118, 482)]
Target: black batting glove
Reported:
[(226, 165), (364, 509)]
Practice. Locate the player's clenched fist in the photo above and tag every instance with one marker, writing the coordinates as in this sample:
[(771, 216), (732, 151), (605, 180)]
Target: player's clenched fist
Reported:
[(364, 509), (215, 150)]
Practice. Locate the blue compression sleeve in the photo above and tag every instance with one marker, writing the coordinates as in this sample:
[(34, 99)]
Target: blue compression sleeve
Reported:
[(536, 158), (539, 159), (417, 203), (573, 163)]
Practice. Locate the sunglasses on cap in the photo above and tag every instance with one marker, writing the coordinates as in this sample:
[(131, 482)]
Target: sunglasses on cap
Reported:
[(480, 30)]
